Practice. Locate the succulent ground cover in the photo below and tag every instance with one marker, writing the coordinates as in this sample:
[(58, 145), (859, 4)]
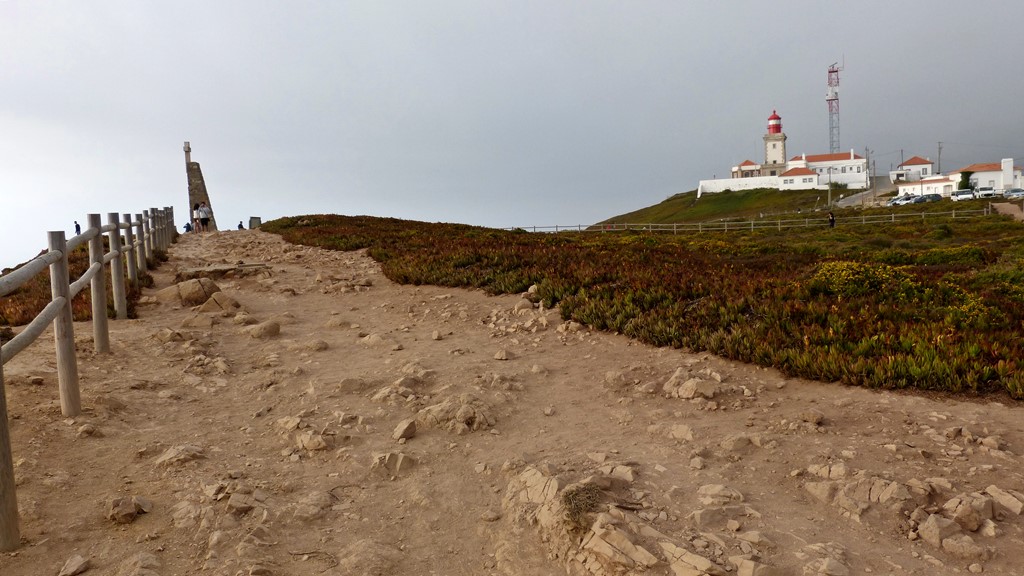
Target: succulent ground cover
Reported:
[(933, 306), (22, 305)]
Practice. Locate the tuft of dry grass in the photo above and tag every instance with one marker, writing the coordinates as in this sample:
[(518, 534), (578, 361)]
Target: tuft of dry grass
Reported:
[(579, 500)]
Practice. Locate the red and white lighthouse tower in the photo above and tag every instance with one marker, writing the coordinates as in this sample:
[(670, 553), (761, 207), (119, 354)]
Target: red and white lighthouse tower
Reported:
[(774, 147), (775, 123)]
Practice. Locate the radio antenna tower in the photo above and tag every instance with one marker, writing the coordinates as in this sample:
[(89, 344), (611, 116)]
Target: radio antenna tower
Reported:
[(832, 97)]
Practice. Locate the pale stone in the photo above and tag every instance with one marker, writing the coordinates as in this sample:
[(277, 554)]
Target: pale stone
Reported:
[(936, 529), (747, 567), (196, 291), (312, 441), (681, 432), (1005, 499), (812, 416), (393, 462), (179, 455), (122, 511), (241, 503), (827, 566), (716, 494), (74, 566), (220, 302), (963, 547), (735, 442), (406, 429), (682, 561), (267, 329), (695, 387), (824, 492)]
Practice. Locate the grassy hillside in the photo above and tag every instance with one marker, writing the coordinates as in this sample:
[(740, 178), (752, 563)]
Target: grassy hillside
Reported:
[(933, 304), (686, 207)]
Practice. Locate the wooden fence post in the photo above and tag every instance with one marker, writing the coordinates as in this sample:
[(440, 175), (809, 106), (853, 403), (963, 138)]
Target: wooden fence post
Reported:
[(129, 245), (155, 226), (117, 269), (164, 236), (147, 237), (9, 537), (140, 237), (64, 331), (98, 290)]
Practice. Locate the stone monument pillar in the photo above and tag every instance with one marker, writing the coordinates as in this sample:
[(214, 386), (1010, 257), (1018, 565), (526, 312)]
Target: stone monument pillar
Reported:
[(197, 186)]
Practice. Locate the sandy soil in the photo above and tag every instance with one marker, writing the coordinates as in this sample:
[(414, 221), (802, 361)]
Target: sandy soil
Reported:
[(250, 452)]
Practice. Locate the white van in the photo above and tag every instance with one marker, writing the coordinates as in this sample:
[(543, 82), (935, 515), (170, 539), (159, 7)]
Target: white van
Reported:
[(986, 192), (966, 194)]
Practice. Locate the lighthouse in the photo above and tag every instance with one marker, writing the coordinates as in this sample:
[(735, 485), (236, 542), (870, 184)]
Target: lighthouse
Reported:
[(774, 147)]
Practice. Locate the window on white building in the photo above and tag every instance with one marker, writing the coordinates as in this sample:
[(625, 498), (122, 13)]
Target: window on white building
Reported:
[(858, 169), (844, 169), (807, 180), (924, 171)]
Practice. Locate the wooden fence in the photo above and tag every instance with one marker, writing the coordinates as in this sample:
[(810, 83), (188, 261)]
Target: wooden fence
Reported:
[(818, 220), (145, 233)]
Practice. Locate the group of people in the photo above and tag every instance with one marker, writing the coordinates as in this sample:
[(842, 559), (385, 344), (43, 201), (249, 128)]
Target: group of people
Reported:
[(201, 215)]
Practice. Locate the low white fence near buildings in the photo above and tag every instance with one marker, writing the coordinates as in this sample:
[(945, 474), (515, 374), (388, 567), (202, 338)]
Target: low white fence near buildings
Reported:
[(145, 233), (819, 220)]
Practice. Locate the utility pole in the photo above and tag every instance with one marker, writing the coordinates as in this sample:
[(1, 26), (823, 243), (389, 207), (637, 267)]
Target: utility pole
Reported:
[(874, 193), (938, 169), (830, 187), (867, 169)]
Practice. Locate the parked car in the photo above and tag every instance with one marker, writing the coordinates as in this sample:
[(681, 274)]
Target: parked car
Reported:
[(901, 200), (986, 192), (965, 194), (1014, 194), (927, 198)]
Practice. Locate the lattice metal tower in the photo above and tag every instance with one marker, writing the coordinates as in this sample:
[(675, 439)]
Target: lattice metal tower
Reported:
[(832, 97)]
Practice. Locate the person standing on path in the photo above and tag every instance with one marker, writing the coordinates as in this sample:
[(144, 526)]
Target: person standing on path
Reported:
[(78, 228), (831, 220), (204, 216), (195, 218)]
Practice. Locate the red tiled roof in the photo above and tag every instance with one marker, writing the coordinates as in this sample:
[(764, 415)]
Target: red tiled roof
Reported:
[(916, 161), (983, 167), (827, 157), (747, 163), (799, 172)]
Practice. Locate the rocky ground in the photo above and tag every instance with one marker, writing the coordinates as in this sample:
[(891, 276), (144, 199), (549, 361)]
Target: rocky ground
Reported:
[(312, 417)]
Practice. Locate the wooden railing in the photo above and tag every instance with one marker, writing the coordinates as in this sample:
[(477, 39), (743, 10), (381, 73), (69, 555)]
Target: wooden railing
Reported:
[(819, 220), (143, 235)]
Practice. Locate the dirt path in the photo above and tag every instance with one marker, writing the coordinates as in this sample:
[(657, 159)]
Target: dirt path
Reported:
[(1009, 208), (275, 454)]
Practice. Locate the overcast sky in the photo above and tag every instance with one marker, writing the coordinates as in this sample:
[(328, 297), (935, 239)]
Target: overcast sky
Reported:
[(486, 112)]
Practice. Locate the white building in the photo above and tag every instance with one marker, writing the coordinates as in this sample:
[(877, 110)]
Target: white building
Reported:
[(912, 170), (943, 185), (999, 176), (798, 178), (804, 172), (846, 168)]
